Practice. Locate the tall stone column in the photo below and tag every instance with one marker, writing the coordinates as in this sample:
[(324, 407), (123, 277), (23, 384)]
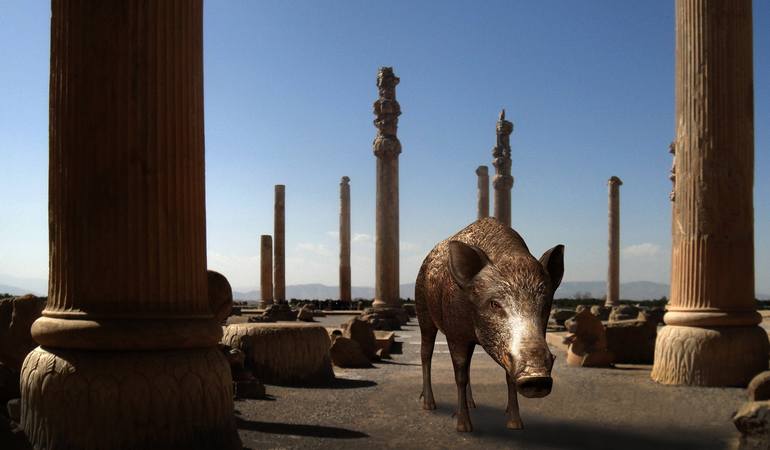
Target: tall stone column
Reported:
[(279, 235), (503, 181), (266, 270), (128, 355), (345, 294), (386, 148), (482, 207), (613, 242), (712, 337)]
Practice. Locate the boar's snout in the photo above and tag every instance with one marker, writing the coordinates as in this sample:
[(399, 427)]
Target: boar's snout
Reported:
[(534, 387)]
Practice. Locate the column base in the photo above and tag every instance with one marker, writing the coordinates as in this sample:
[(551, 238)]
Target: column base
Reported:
[(79, 399), (386, 318), (713, 356)]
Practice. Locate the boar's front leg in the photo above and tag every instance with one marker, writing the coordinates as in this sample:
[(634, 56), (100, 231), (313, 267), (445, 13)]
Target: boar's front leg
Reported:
[(461, 362), (512, 410)]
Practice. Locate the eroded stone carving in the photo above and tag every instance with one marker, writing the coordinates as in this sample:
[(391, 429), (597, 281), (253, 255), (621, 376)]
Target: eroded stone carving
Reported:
[(501, 159)]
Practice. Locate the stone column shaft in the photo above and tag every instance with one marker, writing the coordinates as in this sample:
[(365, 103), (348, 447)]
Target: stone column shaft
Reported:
[(345, 294), (482, 206), (503, 181), (387, 148), (279, 235), (613, 242), (266, 270), (711, 337), (128, 314)]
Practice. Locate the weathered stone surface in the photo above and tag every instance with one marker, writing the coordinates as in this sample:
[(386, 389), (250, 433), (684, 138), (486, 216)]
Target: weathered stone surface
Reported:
[(624, 312), (345, 280), (580, 308), (16, 317), (502, 181), (410, 311), (280, 312), (602, 312), (759, 387), (279, 245), (613, 242), (266, 270), (305, 314), (13, 407), (559, 316), (753, 421), (382, 320), (384, 341), (587, 343), (654, 314), (631, 341), (482, 197), (220, 296), (346, 352), (283, 353), (361, 331)]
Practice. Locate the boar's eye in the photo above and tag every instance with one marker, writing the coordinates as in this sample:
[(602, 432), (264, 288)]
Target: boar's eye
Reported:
[(495, 305)]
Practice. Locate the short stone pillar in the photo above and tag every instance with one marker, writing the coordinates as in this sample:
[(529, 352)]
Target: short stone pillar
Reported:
[(711, 337), (266, 270), (613, 242), (387, 147), (503, 181), (128, 352), (482, 198), (279, 249), (345, 294)]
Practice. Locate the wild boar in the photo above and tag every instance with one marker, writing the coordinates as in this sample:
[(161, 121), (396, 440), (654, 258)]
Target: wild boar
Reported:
[(482, 286)]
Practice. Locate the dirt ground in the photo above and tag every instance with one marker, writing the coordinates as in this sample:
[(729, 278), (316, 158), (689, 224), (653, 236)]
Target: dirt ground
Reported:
[(617, 408)]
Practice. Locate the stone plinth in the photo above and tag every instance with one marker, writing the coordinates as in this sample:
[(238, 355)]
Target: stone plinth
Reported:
[(279, 250), (482, 197), (128, 355), (503, 181), (283, 353), (345, 289), (266, 270), (711, 337)]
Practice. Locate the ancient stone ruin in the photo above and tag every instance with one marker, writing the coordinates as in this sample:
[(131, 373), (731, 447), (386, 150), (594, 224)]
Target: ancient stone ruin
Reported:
[(613, 242), (503, 181), (345, 295), (482, 197)]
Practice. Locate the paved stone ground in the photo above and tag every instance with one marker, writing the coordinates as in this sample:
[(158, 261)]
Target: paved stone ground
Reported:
[(588, 408)]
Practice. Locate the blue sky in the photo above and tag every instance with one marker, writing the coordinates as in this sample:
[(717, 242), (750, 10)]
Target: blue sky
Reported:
[(289, 88)]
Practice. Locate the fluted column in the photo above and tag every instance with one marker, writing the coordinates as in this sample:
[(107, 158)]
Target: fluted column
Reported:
[(503, 181), (345, 294), (266, 270), (127, 317), (482, 198), (613, 242), (712, 337), (279, 235), (387, 148)]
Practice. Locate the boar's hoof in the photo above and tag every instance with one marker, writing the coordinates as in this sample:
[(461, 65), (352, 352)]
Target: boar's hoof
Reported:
[(464, 423), (514, 424), (428, 404)]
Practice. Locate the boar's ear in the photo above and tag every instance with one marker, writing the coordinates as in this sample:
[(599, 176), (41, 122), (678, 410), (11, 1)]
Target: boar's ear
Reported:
[(465, 261), (553, 263)]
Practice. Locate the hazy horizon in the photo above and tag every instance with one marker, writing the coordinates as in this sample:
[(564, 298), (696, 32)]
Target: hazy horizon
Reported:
[(288, 100)]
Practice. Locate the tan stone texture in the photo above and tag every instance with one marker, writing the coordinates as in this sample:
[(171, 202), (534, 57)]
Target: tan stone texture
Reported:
[(482, 197), (286, 352), (712, 273), (503, 181), (345, 289), (266, 270), (279, 245), (127, 238), (613, 242)]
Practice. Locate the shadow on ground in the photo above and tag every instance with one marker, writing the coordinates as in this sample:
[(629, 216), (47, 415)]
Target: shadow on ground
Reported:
[(337, 383), (543, 433), (299, 430)]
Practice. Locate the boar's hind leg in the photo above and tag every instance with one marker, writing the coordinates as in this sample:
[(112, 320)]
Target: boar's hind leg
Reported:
[(512, 410), (461, 362), (428, 338)]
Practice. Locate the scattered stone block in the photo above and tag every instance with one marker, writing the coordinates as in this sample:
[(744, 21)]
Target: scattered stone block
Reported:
[(601, 311), (220, 296), (346, 352), (624, 312), (410, 310), (384, 342), (305, 314), (361, 331), (559, 316), (283, 353), (759, 387), (753, 421), (580, 308), (632, 341), (654, 314), (280, 312), (16, 317), (588, 342)]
